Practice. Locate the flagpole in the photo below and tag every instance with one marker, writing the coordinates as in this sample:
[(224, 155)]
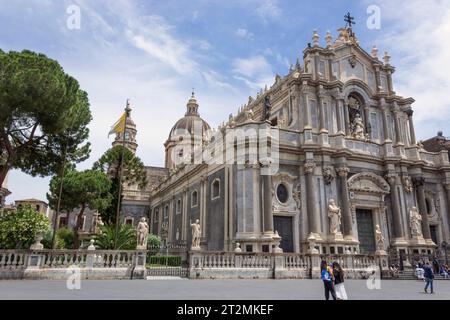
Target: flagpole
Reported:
[(127, 110)]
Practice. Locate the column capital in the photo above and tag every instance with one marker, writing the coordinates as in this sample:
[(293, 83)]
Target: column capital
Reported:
[(310, 166), (418, 181), (265, 162), (409, 112), (343, 172), (391, 178)]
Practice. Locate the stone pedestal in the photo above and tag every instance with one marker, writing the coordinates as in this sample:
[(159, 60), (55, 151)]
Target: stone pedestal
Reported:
[(90, 258), (381, 257), (139, 270)]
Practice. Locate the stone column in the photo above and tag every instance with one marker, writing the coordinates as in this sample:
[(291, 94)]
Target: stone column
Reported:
[(386, 125), (311, 201), (346, 120), (447, 188), (395, 205), (339, 107), (267, 189), (307, 123), (398, 138), (378, 78), (367, 120), (420, 192), (345, 203), (412, 132), (322, 119)]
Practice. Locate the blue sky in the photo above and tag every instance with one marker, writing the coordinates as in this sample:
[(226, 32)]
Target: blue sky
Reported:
[(154, 52)]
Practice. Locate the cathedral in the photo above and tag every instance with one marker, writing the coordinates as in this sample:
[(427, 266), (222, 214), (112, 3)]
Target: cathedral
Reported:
[(326, 159)]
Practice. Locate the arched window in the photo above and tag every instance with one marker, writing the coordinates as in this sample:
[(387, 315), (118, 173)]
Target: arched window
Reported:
[(194, 199), (215, 189)]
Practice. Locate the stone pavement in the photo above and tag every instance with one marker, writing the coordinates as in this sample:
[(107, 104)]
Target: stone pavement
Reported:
[(216, 290)]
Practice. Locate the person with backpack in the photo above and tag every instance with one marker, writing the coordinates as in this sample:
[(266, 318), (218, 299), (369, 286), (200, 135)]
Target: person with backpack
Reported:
[(429, 276), (327, 278), (339, 287)]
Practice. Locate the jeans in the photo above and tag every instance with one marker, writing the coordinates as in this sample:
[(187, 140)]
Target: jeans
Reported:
[(329, 288), (429, 282)]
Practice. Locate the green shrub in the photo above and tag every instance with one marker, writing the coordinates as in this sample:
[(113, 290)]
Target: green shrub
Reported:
[(64, 238), (126, 239), (153, 241), (172, 261), (19, 228)]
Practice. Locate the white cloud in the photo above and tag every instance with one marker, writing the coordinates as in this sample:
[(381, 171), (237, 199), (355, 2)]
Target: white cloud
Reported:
[(255, 71), (268, 9), (140, 58), (421, 54), (244, 33)]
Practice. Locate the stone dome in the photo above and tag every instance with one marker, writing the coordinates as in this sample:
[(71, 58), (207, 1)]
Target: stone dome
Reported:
[(191, 123)]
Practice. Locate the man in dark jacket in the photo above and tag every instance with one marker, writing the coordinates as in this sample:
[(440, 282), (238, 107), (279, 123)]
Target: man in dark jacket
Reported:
[(429, 276)]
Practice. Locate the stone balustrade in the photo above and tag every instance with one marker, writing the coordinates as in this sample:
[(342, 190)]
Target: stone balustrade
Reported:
[(54, 264), (232, 265), (13, 259)]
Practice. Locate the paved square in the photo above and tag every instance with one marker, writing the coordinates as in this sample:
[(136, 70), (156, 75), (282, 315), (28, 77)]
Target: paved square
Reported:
[(216, 290)]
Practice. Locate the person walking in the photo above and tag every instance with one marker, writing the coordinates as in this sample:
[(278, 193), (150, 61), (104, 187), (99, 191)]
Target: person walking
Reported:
[(429, 276), (327, 278), (339, 287)]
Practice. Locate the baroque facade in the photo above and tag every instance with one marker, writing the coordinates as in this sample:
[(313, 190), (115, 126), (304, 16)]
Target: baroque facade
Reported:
[(326, 160)]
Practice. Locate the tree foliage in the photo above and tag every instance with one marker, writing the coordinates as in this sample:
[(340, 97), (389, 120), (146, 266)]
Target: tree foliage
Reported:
[(43, 115), (133, 174), (81, 189), (126, 239), (19, 228), (133, 168)]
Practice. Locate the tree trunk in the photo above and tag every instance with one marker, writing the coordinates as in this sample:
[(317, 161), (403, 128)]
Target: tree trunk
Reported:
[(3, 172), (78, 226)]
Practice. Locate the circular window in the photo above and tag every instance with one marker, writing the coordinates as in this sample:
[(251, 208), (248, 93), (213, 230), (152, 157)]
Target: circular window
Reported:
[(282, 193)]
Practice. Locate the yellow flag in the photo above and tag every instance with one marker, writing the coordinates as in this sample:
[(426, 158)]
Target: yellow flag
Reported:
[(119, 126)]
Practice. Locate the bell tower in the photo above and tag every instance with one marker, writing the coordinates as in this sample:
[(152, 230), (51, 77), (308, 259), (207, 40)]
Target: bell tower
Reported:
[(130, 133)]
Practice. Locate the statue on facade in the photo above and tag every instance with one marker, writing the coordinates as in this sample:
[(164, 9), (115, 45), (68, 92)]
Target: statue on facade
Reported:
[(379, 238), (196, 235), (248, 115), (416, 223), (328, 174), (407, 183), (334, 213), (142, 234), (283, 121), (267, 107), (358, 128)]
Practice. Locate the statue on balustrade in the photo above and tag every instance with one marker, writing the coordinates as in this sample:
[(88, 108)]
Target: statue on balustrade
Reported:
[(334, 213), (142, 234), (379, 238), (196, 235), (416, 223)]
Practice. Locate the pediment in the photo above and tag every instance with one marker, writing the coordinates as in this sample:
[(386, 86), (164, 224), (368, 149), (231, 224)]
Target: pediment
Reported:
[(368, 182)]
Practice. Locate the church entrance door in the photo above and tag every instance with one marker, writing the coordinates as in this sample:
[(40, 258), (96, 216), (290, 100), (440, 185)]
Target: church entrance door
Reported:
[(284, 227), (366, 234)]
